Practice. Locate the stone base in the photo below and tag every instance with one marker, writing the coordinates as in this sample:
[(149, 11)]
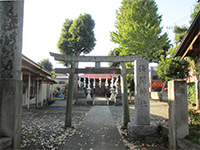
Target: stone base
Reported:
[(89, 102), (139, 132), (118, 102), (111, 102), (81, 94), (11, 110), (81, 102)]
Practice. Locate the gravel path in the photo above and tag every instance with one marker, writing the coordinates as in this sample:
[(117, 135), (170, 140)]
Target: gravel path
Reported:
[(98, 131)]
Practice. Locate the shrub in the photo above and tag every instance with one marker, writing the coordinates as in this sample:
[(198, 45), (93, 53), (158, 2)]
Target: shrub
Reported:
[(194, 117), (191, 93)]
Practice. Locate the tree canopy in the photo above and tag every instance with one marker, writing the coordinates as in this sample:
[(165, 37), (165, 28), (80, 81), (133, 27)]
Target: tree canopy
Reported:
[(170, 68), (46, 64), (138, 29), (77, 36)]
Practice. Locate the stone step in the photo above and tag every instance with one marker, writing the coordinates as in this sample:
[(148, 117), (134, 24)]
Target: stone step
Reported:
[(100, 102)]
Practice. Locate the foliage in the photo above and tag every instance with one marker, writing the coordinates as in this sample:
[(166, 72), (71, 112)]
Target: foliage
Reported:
[(194, 117), (170, 68), (194, 135), (138, 29), (46, 64), (179, 33), (191, 93), (195, 12), (115, 52), (77, 36), (57, 91), (53, 76), (130, 82), (194, 65), (194, 128)]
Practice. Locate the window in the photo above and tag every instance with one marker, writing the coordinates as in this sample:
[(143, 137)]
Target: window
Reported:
[(155, 77), (61, 82)]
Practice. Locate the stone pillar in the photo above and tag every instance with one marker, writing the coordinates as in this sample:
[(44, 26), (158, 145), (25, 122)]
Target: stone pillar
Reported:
[(11, 22), (76, 83), (118, 97), (178, 112), (37, 90), (29, 88), (141, 127), (70, 93), (42, 93), (124, 94), (97, 64), (141, 75)]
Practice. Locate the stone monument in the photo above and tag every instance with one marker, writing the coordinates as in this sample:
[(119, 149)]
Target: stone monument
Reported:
[(142, 126), (11, 23)]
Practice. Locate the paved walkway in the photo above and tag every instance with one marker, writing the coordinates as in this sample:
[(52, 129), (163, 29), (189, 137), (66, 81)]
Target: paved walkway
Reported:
[(97, 132)]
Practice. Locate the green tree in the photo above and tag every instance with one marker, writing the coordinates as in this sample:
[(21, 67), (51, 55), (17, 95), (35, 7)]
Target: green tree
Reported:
[(77, 36), (170, 68), (179, 33), (46, 64), (115, 52), (138, 29)]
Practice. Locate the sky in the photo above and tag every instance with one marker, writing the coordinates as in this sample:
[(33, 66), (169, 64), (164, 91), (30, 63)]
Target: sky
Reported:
[(43, 20)]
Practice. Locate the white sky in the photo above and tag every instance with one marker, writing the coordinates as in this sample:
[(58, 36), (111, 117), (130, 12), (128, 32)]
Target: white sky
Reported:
[(43, 20)]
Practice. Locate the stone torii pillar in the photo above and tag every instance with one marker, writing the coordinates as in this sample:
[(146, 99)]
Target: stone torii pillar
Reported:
[(124, 95), (11, 23), (70, 93)]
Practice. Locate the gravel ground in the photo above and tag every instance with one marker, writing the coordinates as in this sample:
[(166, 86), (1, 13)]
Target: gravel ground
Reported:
[(158, 115), (43, 128)]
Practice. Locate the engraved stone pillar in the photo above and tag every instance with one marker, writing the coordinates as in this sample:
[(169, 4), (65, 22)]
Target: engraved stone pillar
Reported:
[(11, 22), (141, 127), (142, 116)]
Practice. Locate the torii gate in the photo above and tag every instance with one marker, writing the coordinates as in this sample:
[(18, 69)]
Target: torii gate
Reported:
[(97, 59)]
